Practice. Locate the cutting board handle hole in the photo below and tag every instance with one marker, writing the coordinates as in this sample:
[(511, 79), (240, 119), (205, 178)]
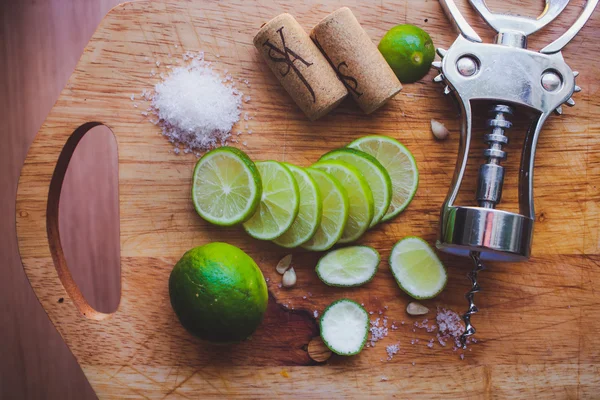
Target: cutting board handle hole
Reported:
[(83, 223)]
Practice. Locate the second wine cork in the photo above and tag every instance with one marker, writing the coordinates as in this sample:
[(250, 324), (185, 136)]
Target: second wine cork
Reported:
[(299, 65), (356, 59)]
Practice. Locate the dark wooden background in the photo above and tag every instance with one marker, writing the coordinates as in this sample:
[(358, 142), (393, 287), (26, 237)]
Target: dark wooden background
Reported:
[(40, 43)]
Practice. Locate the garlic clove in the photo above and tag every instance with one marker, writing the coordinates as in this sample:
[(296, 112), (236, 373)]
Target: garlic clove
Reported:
[(289, 278), (439, 130), (284, 264), (415, 308)]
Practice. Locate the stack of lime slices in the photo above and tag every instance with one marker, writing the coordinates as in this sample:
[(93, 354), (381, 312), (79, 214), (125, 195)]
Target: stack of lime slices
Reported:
[(348, 191)]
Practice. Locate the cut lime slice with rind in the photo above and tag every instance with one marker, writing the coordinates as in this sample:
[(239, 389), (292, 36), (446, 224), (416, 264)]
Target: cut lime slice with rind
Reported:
[(348, 266), (360, 212), (399, 163), (376, 175), (417, 269), (345, 327), (226, 186), (279, 202), (334, 212), (309, 212)]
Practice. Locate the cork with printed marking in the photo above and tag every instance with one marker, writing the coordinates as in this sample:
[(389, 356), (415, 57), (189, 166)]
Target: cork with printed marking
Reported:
[(299, 65), (356, 59)]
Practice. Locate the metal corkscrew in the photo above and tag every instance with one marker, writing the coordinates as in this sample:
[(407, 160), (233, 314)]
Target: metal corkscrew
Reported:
[(509, 76)]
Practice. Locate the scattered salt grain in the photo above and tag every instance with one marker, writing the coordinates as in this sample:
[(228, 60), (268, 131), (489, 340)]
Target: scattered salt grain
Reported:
[(245, 143), (383, 379), (195, 109), (450, 326), (392, 350), (158, 63), (279, 286), (315, 313), (304, 297), (377, 332), (462, 356), (371, 312), (132, 97)]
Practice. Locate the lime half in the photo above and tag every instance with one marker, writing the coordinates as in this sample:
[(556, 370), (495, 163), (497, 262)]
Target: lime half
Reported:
[(399, 163), (360, 197), (348, 266), (226, 186), (345, 327), (309, 213), (335, 211), (417, 269), (279, 203), (377, 177)]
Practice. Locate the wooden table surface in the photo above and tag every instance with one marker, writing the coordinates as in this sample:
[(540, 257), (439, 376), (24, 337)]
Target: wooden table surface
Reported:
[(537, 324), (40, 43)]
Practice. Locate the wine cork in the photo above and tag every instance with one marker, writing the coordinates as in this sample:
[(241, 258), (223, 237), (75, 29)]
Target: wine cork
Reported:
[(356, 60), (300, 67)]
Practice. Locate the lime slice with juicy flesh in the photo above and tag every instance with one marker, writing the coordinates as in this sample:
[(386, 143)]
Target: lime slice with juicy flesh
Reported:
[(226, 186), (417, 269), (309, 213), (334, 213), (279, 203), (377, 177), (348, 266), (360, 197), (345, 327), (399, 163)]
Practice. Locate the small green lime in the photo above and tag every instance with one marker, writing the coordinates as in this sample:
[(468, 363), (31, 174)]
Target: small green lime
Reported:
[(218, 292), (409, 50)]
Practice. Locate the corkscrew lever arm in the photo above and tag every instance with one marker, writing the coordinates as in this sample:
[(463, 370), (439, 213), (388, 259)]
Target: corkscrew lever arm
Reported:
[(460, 23), (566, 37)]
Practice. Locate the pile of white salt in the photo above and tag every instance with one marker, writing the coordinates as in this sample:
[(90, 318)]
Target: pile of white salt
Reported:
[(196, 108)]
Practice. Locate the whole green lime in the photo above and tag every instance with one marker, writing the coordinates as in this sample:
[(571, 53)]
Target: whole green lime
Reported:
[(409, 50), (218, 292)]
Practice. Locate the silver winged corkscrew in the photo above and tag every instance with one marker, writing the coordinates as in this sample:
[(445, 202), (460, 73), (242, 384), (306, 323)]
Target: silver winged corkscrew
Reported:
[(511, 77)]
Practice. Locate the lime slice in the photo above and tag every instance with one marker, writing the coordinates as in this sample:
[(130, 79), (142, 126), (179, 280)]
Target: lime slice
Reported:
[(378, 178), (418, 271), (360, 212), (335, 211), (279, 203), (399, 163), (345, 327), (348, 266), (309, 213), (226, 186)]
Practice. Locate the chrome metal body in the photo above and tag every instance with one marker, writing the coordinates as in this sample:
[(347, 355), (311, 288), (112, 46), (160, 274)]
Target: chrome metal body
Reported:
[(510, 76)]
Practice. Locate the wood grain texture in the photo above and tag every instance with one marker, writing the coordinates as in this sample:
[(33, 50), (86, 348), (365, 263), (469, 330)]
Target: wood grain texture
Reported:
[(537, 330), (40, 44)]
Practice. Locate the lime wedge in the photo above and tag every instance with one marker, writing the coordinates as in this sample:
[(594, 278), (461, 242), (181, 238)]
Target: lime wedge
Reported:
[(360, 212), (335, 211), (378, 178), (309, 213), (226, 186), (399, 163), (279, 203), (345, 327), (417, 269), (348, 266)]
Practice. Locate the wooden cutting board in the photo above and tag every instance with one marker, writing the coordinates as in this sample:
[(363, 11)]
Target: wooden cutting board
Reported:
[(537, 329)]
